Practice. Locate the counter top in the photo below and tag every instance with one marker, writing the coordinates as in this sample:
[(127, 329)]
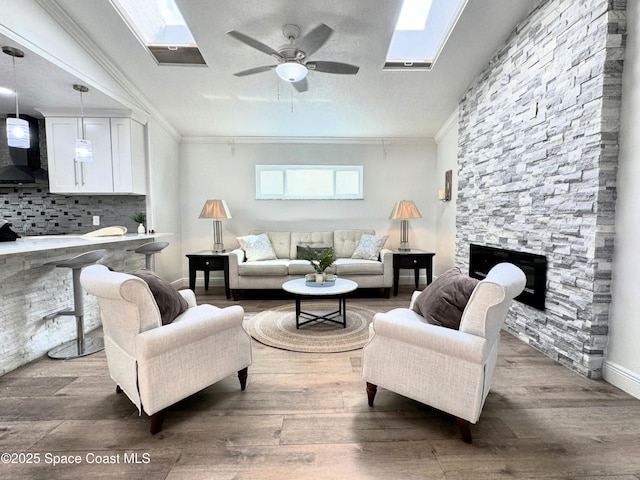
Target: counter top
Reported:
[(51, 242)]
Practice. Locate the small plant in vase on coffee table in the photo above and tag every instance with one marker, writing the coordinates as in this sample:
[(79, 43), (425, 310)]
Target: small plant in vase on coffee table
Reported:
[(140, 218), (320, 260)]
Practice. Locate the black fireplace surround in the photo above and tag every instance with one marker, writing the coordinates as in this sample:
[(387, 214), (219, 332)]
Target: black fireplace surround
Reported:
[(482, 259)]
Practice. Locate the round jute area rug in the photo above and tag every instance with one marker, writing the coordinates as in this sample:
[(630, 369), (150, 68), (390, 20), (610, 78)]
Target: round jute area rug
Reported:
[(277, 328)]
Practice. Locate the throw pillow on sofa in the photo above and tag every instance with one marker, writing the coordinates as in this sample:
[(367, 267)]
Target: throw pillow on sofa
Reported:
[(257, 247), (369, 247), (170, 302), (443, 301)]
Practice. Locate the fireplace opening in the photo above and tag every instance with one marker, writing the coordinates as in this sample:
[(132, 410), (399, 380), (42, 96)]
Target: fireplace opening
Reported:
[(482, 259)]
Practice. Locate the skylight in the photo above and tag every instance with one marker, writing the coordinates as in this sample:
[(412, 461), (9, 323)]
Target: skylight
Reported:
[(160, 27), (421, 31)]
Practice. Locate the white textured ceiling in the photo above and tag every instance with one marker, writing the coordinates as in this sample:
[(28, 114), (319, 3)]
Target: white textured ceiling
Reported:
[(210, 101)]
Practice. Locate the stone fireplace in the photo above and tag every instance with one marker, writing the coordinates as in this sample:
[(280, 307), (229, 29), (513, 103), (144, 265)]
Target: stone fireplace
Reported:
[(537, 154)]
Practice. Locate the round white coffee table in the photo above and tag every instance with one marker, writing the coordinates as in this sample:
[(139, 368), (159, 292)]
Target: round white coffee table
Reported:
[(339, 290)]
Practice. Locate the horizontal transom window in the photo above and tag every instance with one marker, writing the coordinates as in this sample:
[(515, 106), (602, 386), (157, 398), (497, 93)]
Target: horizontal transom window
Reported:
[(309, 182)]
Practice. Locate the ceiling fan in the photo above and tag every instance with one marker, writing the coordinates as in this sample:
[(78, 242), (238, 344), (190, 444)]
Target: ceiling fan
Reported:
[(293, 64)]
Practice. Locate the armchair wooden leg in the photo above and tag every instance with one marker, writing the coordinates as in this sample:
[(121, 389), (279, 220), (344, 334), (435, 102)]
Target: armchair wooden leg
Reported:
[(242, 376), (371, 392), (118, 389), (156, 421), (465, 429)]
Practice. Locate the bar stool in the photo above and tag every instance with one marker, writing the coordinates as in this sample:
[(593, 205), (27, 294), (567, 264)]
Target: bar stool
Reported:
[(149, 250), (82, 345)]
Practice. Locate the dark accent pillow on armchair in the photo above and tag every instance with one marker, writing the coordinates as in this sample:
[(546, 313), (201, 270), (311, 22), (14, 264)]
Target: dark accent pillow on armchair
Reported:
[(444, 300), (170, 302)]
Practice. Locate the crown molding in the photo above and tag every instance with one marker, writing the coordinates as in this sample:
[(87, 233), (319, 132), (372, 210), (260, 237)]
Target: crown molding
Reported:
[(451, 122), (377, 141)]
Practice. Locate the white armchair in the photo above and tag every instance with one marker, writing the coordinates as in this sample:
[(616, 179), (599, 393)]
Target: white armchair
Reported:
[(156, 365), (448, 369)]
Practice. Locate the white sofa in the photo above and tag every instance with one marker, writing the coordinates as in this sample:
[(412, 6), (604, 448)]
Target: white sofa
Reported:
[(271, 274)]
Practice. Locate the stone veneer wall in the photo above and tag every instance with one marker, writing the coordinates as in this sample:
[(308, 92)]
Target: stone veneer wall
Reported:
[(538, 149)]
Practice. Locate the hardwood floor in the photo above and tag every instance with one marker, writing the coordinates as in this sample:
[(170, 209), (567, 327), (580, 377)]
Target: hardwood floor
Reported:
[(305, 416)]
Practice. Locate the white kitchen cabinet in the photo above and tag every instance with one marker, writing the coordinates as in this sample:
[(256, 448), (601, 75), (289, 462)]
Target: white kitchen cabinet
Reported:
[(65, 174), (128, 155), (119, 159)]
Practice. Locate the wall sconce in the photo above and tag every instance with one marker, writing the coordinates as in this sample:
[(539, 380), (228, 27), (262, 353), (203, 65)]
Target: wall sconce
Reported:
[(444, 195), (217, 210)]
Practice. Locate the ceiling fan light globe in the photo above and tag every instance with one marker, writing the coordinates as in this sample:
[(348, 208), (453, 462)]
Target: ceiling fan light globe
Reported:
[(291, 71)]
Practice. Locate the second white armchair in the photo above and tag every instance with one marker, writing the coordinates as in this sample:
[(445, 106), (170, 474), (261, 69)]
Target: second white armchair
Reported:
[(445, 368)]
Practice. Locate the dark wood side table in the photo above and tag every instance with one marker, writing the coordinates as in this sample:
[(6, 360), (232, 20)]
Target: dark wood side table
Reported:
[(208, 261), (415, 260)]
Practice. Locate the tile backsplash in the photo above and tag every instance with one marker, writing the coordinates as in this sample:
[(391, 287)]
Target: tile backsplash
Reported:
[(36, 211)]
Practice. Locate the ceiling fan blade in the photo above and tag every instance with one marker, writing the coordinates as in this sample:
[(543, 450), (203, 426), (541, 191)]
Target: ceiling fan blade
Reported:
[(251, 71), (333, 67), (252, 42), (302, 85), (313, 40)]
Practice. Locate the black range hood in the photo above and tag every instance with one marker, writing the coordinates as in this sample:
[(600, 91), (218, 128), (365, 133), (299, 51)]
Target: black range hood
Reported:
[(21, 166)]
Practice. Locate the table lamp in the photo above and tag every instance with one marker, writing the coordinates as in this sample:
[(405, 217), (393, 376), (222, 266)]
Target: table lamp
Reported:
[(217, 210), (404, 210)]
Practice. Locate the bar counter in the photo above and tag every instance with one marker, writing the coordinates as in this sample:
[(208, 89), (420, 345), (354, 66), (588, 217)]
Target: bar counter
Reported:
[(32, 287)]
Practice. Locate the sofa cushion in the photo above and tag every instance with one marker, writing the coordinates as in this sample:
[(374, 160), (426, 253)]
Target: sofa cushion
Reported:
[(257, 247), (169, 301), (369, 247), (444, 300), (264, 267), (345, 241), (309, 239), (353, 266)]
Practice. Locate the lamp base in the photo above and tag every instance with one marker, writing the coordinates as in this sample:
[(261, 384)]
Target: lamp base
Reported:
[(404, 249), (218, 248)]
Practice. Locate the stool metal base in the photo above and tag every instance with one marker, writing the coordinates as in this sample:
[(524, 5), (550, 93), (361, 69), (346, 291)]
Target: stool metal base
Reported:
[(70, 349)]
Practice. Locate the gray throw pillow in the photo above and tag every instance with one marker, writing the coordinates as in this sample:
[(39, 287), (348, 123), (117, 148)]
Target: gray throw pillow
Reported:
[(302, 251), (444, 300), (170, 302)]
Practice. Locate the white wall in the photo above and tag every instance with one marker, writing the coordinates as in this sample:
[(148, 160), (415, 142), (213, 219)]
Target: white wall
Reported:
[(395, 169), (622, 365), (447, 140), (163, 199)]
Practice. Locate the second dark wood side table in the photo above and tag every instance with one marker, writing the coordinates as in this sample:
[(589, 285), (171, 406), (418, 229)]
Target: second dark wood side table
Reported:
[(208, 261), (414, 260)]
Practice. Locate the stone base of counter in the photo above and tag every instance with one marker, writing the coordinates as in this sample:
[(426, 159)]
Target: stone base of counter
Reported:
[(30, 290)]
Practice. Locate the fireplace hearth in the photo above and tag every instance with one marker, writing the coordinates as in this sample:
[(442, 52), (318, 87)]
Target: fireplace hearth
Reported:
[(483, 258)]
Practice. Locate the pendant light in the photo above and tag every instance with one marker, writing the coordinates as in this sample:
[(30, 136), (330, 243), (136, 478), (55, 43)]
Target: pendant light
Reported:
[(17, 128), (84, 152)]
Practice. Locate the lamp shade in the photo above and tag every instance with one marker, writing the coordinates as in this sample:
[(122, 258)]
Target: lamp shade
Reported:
[(291, 71), (405, 209), (215, 209)]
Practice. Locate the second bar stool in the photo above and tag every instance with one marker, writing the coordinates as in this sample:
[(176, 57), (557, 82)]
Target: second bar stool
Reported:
[(82, 345), (149, 250)]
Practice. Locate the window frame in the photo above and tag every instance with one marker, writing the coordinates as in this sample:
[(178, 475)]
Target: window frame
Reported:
[(284, 194)]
